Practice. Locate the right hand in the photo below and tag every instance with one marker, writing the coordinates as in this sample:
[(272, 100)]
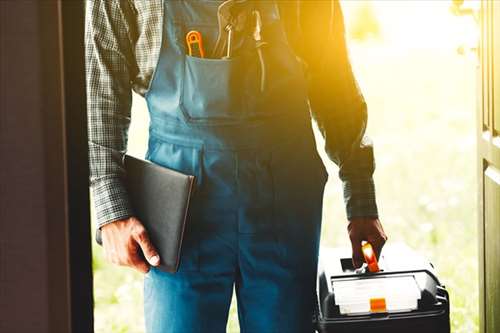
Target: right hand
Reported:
[(123, 239)]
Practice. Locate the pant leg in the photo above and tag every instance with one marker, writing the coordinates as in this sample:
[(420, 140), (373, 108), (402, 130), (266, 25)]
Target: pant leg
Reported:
[(186, 302), (276, 284), (197, 298), (272, 298)]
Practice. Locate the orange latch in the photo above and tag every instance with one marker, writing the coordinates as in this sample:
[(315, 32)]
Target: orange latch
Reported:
[(378, 305)]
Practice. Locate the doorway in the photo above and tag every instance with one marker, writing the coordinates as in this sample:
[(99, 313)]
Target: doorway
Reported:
[(416, 65)]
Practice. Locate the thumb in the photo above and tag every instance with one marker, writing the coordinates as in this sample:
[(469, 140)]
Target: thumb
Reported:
[(147, 247), (357, 253)]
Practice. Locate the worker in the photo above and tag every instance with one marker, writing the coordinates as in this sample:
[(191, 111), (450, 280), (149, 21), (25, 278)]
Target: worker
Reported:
[(231, 104)]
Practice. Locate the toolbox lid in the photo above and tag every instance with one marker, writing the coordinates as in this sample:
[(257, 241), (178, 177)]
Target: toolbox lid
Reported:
[(372, 295), (405, 286)]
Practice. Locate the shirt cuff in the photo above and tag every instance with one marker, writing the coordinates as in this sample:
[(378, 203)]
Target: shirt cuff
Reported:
[(359, 198), (111, 201)]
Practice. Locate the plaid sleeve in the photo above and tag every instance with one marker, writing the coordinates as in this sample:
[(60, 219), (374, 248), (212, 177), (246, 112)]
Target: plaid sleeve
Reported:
[(109, 68), (337, 103)]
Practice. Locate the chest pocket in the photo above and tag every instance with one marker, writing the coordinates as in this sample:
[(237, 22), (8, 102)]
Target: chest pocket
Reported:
[(231, 89), (219, 89)]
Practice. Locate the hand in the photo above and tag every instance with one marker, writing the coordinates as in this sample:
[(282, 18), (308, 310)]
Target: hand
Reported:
[(365, 229), (121, 241)]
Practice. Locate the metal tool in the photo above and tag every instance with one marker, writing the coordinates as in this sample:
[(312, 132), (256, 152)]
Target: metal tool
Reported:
[(258, 26), (259, 43), (232, 18), (229, 29), (194, 38)]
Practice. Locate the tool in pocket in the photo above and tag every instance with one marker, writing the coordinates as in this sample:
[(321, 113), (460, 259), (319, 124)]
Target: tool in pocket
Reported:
[(193, 38), (259, 43), (238, 21), (232, 16)]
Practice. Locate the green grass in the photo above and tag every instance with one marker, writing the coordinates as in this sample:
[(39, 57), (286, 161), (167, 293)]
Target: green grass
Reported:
[(422, 120)]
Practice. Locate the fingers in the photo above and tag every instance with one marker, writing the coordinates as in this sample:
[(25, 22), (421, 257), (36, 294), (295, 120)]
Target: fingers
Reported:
[(140, 235), (129, 257), (357, 253), (377, 242), (365, 229), (377, 238), (122, 242), (138, 263)]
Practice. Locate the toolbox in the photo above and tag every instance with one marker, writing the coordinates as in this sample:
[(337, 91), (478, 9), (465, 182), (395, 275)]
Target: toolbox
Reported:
[(404, 296)]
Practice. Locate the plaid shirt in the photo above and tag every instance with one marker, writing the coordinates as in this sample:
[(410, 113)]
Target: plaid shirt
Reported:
[(123, 39)]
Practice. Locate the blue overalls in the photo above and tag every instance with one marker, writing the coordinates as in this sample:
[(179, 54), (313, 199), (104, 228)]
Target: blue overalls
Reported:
[(255, 217)]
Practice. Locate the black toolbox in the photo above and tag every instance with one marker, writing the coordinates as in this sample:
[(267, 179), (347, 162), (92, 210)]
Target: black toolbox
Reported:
[(405, 296)]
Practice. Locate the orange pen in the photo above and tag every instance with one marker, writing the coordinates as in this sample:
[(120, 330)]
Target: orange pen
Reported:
[(194, 38)]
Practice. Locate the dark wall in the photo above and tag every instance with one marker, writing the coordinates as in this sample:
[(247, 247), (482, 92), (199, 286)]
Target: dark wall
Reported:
[(45, 277)]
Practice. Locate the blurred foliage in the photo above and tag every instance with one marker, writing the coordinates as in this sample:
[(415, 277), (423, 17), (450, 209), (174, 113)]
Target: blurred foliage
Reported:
[(117, 296)]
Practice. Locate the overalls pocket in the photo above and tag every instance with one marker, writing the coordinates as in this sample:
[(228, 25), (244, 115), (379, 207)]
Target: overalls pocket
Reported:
[(220, 90), (215, 89)]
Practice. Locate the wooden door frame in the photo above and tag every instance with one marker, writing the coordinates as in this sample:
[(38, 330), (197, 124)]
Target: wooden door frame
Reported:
[(488, 137), (80, 239), (45, 242)]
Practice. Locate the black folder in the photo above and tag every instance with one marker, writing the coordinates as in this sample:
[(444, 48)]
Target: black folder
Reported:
[(160, 199)]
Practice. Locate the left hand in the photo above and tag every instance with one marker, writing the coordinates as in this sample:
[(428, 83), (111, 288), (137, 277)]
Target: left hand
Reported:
[(365, 229)]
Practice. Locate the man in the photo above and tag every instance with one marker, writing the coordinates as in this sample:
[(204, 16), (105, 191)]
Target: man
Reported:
[(241, 125)]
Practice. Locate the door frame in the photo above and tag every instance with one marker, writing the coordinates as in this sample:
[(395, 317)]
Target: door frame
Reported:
[(488, 144), (75, 107), (45, 242)]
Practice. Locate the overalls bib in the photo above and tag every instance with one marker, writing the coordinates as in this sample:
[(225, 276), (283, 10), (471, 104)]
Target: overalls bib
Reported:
[(255, 216)]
